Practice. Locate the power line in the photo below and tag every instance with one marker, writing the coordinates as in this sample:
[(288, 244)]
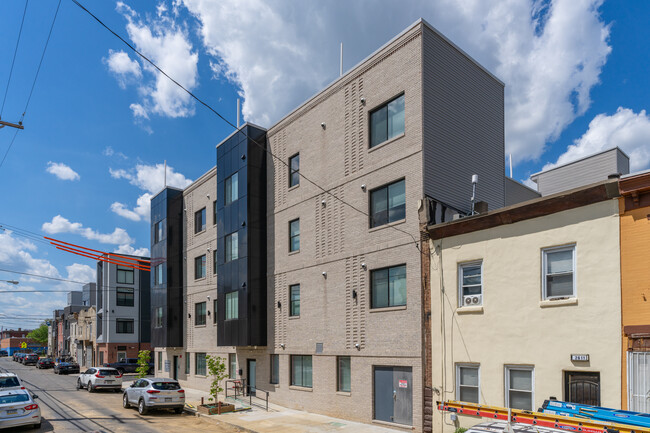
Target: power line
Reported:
[(14, 59), (264, 148)]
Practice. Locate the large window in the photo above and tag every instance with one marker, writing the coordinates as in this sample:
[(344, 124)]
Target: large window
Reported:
[(124, 297), (387, 121), (301, 370), (343, 373), (232, 247), (158, 319), (199, 313), (199, 366), (199, 221), (388, 287), (275, 369), (232, 365), (232, 305), (187, 363), (159, 231), (294, 235), (199, 267), (124, 326), (520, 382), (294, 170), (158, 274), (214, 312), (159, 361), (294, 298), (388, 204), (124, 275), (559, 272), (214, 261), (467, 383), (470, 281), (232, 189)]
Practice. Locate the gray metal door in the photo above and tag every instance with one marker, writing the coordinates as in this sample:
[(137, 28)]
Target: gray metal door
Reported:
[(393, 392)]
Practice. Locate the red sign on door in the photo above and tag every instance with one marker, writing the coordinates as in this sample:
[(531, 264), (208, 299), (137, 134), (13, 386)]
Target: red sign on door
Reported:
[(403, 384)]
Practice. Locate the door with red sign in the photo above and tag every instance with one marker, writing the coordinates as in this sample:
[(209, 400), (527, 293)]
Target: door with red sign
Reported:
[(393, 394)]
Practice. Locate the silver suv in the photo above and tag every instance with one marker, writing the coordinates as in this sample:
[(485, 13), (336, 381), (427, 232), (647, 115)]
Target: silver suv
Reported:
[(155, 393), (9, 381), (100, 378)]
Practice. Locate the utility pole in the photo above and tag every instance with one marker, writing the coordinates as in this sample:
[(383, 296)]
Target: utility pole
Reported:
[(18, 125)]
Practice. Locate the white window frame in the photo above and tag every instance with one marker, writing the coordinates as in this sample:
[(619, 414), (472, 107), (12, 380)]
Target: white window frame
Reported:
[(507, 370), (460, 280), (545, 251), (468, 365)]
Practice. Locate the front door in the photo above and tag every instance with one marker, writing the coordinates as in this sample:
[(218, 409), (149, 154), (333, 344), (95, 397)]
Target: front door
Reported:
[(582, 387), (251, 373), (393, 392), (175, 367), (638, 381)]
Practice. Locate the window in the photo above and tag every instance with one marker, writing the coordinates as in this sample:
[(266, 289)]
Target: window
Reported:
[(294, 170), (388, 204), (187, 363), (232, 365), (199, 267), (199, 221), (232, 189), (159, 361), (470, 281), (158, 231), (124, 326), (214, 312), (124, 297), (199, 313), (467, 383), (214, 261), (387, 121), (294, 235), (388, 287), (214, 212), (519, 387), (301, 370), (158, 319), (124, 275), (294, 300), (232, 305), (275, 369), (232, 247), (200, 364), (558, 269), (158, 274), (343, 373)]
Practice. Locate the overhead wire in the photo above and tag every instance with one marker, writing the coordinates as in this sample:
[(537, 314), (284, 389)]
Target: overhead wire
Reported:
[(13, 61), (238, 129)]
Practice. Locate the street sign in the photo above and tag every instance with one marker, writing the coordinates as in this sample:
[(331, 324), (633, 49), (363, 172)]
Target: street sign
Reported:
[(23, 345)]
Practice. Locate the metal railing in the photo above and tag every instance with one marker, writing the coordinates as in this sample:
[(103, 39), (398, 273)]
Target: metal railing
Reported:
[(252, 392), (237, 389)]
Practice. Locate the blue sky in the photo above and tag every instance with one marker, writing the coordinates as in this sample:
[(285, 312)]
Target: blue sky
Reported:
[(101, 123)]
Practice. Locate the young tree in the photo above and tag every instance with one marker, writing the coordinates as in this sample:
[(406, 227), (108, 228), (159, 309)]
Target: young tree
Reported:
[(39, 335), (144, 356), (216, 369)]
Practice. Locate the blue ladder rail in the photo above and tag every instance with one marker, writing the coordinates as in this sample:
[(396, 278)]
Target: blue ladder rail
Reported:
[(564, 408)]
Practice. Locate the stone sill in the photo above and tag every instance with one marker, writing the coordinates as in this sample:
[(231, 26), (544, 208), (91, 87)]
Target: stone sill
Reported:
[(470, 310), (301, 388), (558, 303)]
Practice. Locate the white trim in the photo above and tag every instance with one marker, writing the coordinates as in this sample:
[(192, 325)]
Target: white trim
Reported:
[(459, 276), (468, 365), (508, 368), (545, 251)]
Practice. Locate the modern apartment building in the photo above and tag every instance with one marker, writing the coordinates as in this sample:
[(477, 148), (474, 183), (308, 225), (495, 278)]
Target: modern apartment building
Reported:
[(123, 325)]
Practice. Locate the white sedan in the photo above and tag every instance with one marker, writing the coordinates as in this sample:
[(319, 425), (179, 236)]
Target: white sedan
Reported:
[(17, 408), (100, 378)]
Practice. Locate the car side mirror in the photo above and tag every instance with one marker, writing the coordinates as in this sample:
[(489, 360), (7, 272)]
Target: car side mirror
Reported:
[(34, 397), (132, 385)]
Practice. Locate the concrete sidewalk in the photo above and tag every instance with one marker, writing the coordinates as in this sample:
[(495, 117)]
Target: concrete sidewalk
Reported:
[(278, 418)]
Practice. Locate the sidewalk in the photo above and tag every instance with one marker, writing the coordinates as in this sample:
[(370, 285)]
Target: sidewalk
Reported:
[(278, 418)]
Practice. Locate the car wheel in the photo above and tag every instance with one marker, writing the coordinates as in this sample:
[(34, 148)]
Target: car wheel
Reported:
[(37, 426), (178, 410), (90, 387), (125, 401), (142, 409), (79, 384)]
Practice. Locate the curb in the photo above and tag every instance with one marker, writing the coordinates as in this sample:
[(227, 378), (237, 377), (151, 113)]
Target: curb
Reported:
[(190, 410)]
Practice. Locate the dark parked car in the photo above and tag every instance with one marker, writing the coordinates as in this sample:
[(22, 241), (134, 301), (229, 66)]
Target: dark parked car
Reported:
[(66, 368), (3, 353), (30, 359), (18, 356), (128, 365), (45, 363)]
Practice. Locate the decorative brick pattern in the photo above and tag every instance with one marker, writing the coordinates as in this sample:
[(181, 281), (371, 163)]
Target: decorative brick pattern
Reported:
[(281, 295), (280, 172), (355, 307), (330, 223), (354, 127)]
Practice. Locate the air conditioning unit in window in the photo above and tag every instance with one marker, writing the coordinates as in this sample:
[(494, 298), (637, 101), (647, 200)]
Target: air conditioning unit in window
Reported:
[(470, 300)]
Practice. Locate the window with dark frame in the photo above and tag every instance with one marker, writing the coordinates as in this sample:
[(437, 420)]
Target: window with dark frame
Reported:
[(388, 287), (158, 319), (124, 326), (199, 267), (294, 235), (199, 313), (158, 231), (294, 170), (294, 298), (187, 363), (124, 297), (158, 274), (301, 371), (388, 204), (387, 121), (232, 365), (159, 361), (214, 213), (214, 312), (200, 366), (199, 221), (232, 189), (232, 305), (124, 275), (214, 261), (275, 369), (344, 373), (232, 246)]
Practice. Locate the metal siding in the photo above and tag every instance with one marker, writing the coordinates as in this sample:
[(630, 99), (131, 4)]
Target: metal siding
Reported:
[(463, 127), (517, 193)]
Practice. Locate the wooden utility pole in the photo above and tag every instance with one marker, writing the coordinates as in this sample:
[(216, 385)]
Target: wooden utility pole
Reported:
[(18, 125)]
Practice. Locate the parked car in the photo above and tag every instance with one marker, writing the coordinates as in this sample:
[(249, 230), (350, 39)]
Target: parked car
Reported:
[(9, 381), (155, 393), (3, 353), (128, 365), (30, 359), (100, 378), (66, 368), (18, 356), (45, 363), (17, 408)]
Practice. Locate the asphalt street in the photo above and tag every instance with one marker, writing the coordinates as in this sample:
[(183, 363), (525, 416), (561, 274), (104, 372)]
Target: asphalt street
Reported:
[(65, 409)]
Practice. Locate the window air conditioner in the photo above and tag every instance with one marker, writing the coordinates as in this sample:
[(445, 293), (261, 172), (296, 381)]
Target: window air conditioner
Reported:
[(470, 300)]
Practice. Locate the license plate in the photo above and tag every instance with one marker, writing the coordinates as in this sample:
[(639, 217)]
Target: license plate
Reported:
[(109, 381), (167, 399), (12, 412)]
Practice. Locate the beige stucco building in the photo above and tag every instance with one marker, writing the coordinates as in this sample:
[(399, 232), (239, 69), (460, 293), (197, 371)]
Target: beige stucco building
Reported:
[(86, 327), (525, 304)]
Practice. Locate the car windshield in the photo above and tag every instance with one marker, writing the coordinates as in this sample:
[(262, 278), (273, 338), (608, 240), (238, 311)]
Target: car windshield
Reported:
[(13, 398), (109, 373), (6, 382), (166, 386)]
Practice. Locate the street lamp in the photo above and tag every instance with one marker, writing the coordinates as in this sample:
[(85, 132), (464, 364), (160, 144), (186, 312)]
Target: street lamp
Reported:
[(10, 281)]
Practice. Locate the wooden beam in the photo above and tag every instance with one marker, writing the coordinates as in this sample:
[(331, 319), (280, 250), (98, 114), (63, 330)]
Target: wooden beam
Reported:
[(13, 125)]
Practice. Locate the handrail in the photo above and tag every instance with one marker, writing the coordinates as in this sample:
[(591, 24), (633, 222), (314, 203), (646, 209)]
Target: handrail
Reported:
[(250, 396)]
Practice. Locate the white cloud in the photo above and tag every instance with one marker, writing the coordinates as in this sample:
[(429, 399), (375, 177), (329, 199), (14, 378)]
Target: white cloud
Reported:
[(79, 272), (17, 254), (128, 249), (62, 171), (167, 44), (142, 210), (60, 224), (550, 55), (123, 67), (108, 151), (625, 129), (151, 178)]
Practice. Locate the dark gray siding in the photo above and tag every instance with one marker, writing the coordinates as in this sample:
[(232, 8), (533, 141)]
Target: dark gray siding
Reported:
[(463, 130), (517, 192)]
